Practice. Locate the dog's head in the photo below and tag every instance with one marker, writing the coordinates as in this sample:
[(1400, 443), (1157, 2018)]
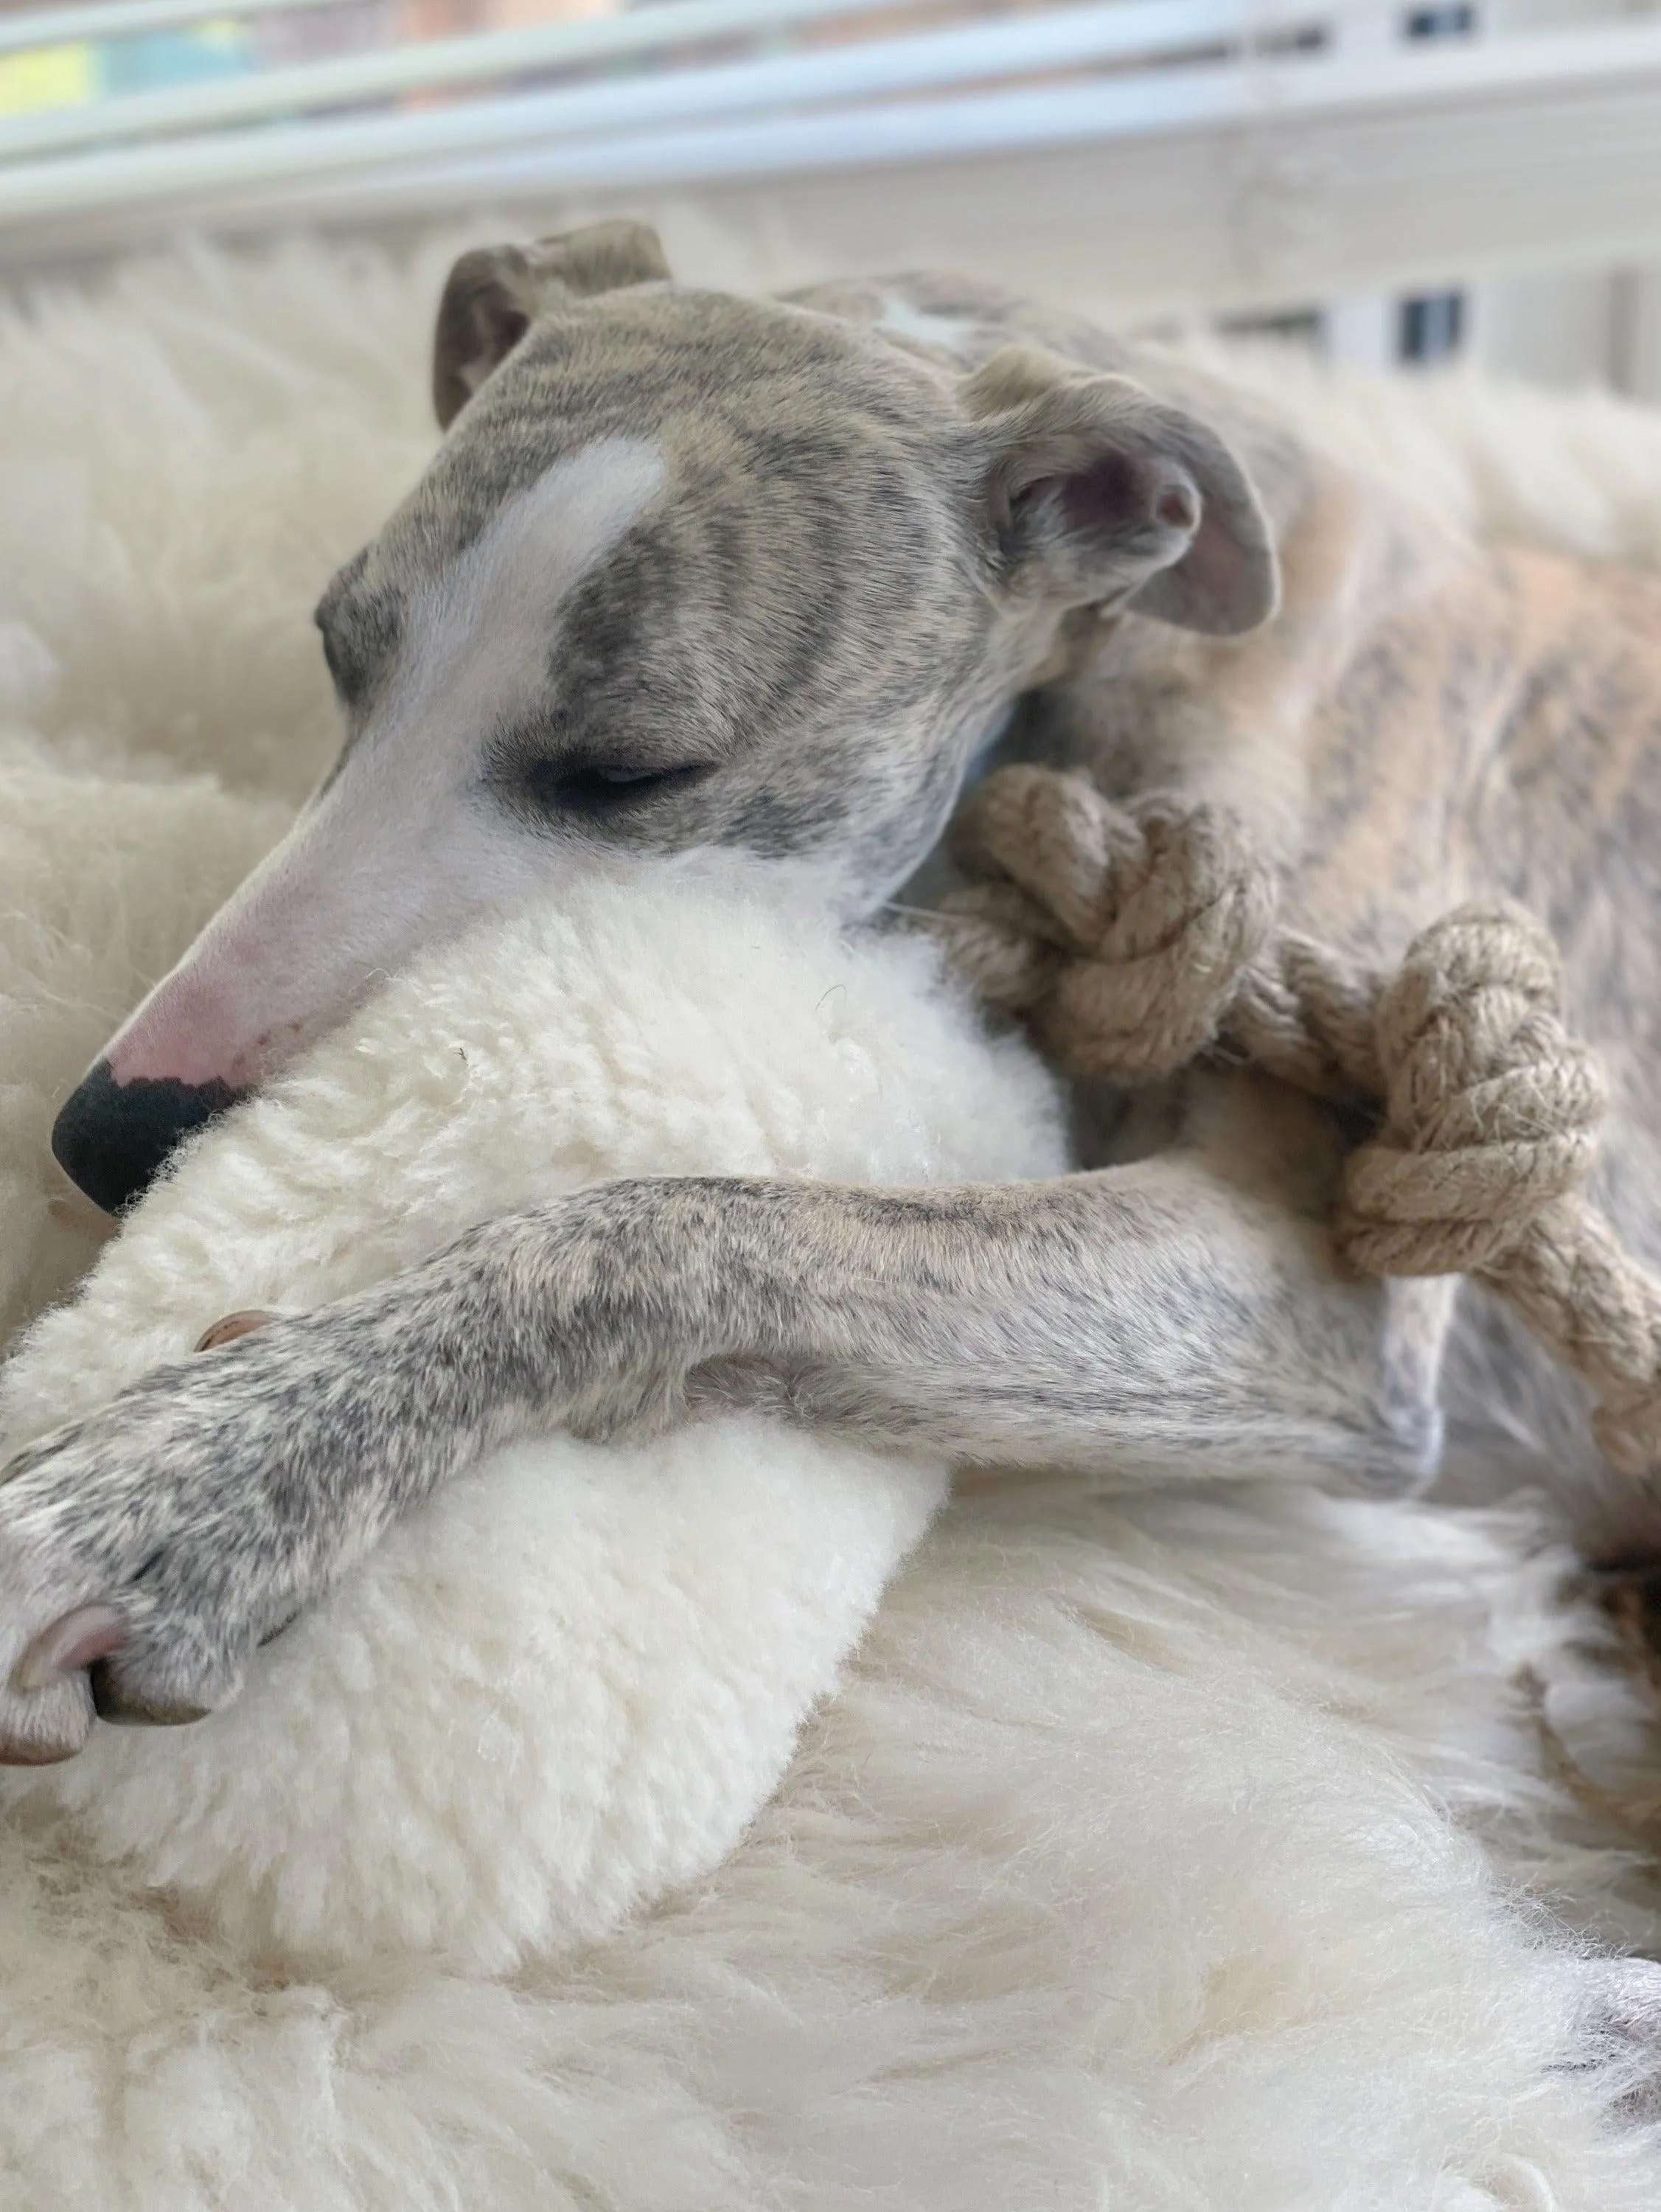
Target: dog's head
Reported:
[(688, 571)]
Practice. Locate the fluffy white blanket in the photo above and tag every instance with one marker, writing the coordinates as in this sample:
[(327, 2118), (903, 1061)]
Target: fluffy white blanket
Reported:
[(1188, 1852)]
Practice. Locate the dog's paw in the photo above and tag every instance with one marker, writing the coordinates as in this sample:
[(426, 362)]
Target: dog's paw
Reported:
[(147, 1550), (110, 1597)]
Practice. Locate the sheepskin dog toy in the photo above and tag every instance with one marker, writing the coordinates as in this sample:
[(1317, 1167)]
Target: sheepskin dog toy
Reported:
[(574, 1682), (735, 1823)]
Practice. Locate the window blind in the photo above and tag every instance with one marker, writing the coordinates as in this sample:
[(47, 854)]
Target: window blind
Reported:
[(1237, 150)]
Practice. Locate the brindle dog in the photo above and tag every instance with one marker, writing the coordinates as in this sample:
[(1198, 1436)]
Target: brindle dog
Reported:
[(691, 570)]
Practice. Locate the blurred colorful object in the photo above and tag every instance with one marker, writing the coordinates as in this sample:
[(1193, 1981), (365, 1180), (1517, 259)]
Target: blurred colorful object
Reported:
[(52, 76), (220, 47), (73, 75)]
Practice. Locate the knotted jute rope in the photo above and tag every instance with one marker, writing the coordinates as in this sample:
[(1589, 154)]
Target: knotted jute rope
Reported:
[(1133, 939)]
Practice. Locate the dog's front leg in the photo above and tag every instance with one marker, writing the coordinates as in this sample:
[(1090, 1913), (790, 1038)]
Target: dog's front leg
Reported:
[(1128, 1324)]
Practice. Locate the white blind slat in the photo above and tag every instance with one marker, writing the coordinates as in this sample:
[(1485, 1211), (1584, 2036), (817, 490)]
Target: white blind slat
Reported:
[(127, 19), (620, 133), (1024, 46), (744, 102), (1069, 36)]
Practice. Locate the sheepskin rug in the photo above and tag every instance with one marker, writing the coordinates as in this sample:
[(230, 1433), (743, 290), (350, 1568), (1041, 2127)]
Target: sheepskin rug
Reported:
[(605, 1842)]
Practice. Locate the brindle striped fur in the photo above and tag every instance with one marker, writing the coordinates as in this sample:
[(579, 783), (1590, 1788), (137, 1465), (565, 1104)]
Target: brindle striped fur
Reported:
[(1425, 718)]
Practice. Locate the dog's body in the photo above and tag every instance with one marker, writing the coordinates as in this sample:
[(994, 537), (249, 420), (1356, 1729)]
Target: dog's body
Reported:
[(694, 572)]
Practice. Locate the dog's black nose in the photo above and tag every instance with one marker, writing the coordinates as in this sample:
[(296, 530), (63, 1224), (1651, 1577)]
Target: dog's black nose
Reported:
[(111, 1138)]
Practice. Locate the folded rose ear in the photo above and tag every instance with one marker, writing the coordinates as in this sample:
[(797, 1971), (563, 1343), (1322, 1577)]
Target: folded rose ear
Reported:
[(493, 295), (1094, 493)]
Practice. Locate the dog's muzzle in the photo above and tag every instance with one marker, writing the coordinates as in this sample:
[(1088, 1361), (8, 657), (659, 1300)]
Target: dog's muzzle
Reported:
[(112, 1138)]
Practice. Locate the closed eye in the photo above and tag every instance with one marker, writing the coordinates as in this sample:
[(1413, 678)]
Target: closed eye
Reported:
[(602, 786)]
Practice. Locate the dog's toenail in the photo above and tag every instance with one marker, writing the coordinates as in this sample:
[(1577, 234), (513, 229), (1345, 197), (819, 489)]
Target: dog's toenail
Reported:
[(232, 1327), (89, 1633), (116, 1705)]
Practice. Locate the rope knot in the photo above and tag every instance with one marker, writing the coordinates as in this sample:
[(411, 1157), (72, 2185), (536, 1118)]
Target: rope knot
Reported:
[(1491, 1109), (1120, 933), (1133, 939)]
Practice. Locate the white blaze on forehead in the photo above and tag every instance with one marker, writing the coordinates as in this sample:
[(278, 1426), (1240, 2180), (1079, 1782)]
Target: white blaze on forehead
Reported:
[(395, 852), (478, 639)]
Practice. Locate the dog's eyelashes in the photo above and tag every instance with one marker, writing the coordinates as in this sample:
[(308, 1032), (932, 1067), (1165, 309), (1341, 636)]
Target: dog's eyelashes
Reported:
[(616, 779), (602, 787)]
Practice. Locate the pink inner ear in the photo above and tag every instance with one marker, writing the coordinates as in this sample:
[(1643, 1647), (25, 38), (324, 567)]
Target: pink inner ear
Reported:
[(499, 328), (1106, 495), (1130, 493), (506, 326)]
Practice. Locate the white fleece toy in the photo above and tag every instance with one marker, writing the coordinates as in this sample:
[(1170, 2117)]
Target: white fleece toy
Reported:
[(572, 1680)]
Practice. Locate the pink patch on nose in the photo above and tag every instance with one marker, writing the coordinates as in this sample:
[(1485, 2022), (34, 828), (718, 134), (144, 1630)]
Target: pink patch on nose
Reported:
[(173, 1053), (165, 1045)]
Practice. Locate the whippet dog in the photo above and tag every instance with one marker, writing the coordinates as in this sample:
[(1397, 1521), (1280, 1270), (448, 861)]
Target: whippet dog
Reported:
[(689, 571)]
